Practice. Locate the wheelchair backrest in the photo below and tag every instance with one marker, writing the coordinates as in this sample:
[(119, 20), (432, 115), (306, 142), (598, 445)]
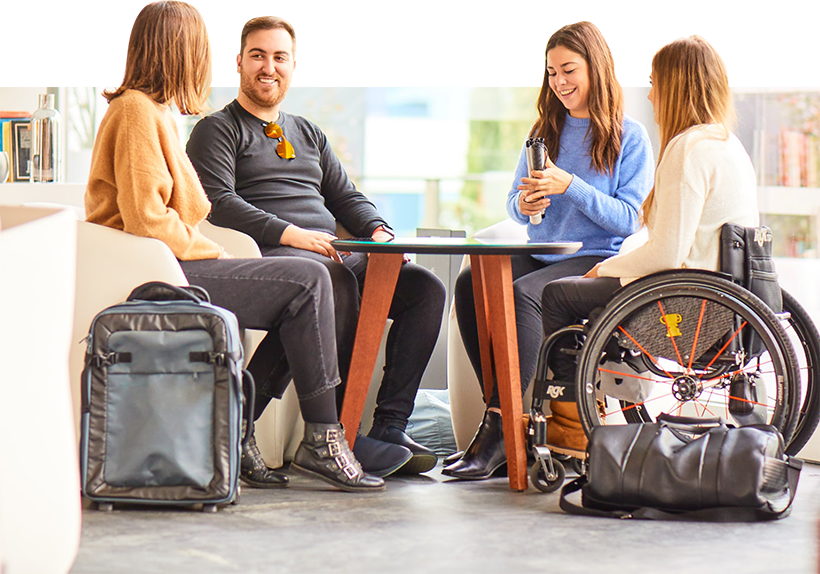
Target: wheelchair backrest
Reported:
[(746, 255)]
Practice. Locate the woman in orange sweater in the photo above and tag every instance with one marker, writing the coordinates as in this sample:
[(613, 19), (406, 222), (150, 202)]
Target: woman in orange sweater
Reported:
[(142, 182)]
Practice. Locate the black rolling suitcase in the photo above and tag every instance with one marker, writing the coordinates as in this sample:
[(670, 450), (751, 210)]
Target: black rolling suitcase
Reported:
[(162, 405)]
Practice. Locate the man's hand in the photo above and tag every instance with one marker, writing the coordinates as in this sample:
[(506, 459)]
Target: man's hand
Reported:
[(316, 241), (381, 236)]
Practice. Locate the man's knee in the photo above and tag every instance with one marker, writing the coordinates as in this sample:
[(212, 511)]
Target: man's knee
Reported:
[(428, 284)]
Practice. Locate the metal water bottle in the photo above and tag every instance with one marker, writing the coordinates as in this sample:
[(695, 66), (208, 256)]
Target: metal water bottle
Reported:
[(536, 160), (46, 156)]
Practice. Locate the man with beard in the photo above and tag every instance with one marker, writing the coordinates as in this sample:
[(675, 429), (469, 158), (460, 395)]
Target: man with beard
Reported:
[(274, 176)]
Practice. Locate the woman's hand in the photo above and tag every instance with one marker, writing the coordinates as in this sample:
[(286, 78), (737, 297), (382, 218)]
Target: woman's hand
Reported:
[(541, 184), (531, 206), (593, 273)]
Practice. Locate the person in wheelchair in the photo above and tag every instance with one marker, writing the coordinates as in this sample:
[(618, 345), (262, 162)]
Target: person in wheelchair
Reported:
[(599, 170), (704, 179)]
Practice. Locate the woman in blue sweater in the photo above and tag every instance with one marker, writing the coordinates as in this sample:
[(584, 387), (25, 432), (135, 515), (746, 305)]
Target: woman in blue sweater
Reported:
[(599, 171)]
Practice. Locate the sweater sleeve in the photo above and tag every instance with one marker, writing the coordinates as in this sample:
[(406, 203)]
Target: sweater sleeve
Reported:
[(512, 197), (145, 187), (212, 149), (348, 205), (618, 213), (680, 194)]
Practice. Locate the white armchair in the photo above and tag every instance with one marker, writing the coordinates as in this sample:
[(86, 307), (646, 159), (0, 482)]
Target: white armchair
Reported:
[(39, 475)]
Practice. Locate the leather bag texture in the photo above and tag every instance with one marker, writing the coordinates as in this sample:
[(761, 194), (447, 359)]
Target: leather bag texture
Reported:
[(682, 468)]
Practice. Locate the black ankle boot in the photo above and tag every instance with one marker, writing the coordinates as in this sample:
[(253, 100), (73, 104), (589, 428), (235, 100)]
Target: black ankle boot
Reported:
[(422, 459), (450, 459), (324, 454), (485, 454), (254, 472)]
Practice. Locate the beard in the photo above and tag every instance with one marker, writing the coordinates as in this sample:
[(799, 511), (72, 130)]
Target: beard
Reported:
[(264, 98)]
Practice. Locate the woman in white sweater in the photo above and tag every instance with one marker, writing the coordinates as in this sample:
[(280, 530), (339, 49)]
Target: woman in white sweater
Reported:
[(704, 178)]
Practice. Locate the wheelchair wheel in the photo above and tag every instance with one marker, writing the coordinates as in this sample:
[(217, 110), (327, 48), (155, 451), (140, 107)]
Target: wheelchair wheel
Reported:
[(539, 479), (806, 342), (714, 349)]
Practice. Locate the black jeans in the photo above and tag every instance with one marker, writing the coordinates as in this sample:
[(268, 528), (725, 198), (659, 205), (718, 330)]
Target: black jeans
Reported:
[(291, 299), (565, 302), (416, 311), (529, 278)]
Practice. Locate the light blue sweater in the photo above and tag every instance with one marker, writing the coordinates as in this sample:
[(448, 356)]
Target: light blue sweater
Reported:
[(596, 209)]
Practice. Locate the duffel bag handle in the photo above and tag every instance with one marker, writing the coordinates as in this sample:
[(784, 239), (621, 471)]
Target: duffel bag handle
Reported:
[(691, 421), (160, 291), (249, 393)]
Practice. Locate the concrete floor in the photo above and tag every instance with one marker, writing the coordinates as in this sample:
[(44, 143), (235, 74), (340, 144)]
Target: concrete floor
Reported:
[(429, 524)]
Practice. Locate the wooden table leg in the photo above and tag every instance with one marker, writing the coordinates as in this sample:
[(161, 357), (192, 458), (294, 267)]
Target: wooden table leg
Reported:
[(482, 321), (377, 295), (497, 275)]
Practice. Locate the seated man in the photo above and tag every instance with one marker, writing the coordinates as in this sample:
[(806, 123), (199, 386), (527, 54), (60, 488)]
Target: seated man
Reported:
[(275, 177)]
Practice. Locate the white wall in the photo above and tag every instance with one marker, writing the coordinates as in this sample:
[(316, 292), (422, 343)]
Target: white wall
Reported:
[(786, 48), (23, 45)]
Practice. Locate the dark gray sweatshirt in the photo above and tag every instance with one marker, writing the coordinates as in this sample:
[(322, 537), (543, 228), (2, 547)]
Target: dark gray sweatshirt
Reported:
[(255, 191)]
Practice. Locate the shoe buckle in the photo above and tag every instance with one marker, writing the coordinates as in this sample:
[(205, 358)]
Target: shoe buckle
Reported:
[(334, 448), (332, 435), (347, 466)]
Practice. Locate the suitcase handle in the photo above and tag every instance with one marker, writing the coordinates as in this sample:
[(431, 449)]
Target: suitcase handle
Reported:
[(249, 393), (160, 291)]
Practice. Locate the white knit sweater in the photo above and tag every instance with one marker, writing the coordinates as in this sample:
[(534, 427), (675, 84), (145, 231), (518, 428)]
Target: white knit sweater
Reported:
[(703, 181)]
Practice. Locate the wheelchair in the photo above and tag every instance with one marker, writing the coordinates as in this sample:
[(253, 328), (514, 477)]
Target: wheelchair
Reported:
[(688, 343)]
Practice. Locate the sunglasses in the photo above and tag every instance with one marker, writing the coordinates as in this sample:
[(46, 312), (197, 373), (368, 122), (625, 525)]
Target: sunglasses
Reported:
[(283, 148)]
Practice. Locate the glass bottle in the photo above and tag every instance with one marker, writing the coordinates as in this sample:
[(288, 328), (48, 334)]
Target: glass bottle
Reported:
[(46, 156)]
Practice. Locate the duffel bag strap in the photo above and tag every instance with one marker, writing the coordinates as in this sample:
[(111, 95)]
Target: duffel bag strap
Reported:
[(718, 514), (160, 291)]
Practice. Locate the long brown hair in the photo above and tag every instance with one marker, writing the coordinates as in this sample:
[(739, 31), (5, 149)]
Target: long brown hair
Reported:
[(169, 56), (606, 100), (691, 87)]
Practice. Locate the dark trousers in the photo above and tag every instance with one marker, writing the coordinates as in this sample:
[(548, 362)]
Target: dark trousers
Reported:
[(566, 302), (416, 311), (292, 300), (529, 278)]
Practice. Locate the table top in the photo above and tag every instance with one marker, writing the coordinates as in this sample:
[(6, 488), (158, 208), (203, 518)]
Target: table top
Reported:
[(456, 246)]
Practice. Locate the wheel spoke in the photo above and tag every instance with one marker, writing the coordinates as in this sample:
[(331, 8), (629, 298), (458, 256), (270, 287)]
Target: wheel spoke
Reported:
[(697, 333), (723, 348), (630, 375), (644, 351)]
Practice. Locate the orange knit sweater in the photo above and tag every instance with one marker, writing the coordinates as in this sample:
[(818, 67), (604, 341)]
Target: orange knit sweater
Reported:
[(142, 182)]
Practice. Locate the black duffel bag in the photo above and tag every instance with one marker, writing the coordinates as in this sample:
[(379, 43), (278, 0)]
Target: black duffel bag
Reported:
[(686, 469)]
